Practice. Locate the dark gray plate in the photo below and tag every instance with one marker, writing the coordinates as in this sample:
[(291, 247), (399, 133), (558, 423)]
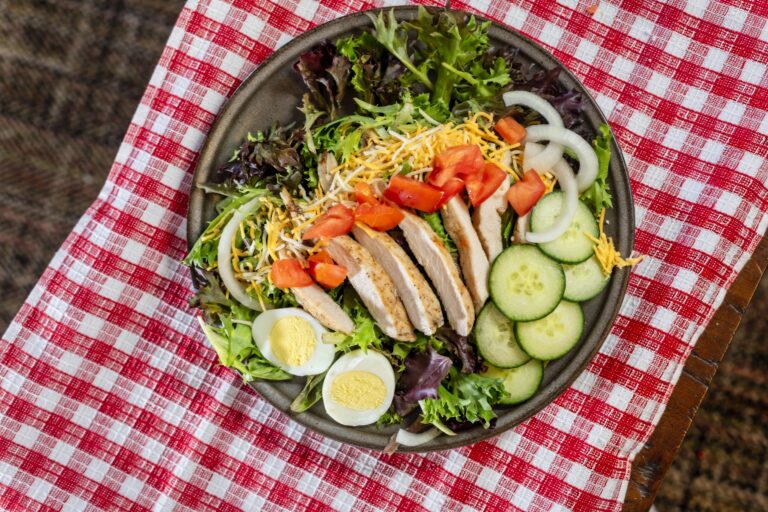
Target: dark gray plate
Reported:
[(273, 92)]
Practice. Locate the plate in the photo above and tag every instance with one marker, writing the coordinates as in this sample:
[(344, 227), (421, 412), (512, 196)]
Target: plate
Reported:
[(272, 94)]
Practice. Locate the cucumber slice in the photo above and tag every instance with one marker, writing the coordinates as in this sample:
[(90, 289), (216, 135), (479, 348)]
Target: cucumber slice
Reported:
[(521, 383), (572, 246), (525, 284), (495, 338), (584, 280), (554, 335)]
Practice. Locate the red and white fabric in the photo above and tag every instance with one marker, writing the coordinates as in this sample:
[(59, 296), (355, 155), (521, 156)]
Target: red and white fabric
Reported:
[(112, 399)]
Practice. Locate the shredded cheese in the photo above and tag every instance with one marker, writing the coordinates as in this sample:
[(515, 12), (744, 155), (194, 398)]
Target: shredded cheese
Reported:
[(606, 253)]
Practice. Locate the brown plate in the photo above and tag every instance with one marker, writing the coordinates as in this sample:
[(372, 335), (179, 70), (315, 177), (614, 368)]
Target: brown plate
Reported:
[(273, 92)]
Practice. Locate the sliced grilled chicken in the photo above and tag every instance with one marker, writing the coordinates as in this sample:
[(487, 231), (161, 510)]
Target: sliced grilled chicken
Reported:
[(487, 221), (321, 306), (325, 164), (419, 300), (474, 262), (439, 266), (374, 286)]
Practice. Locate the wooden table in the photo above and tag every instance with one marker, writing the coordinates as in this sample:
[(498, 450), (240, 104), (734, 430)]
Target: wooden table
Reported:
[(657, 455)]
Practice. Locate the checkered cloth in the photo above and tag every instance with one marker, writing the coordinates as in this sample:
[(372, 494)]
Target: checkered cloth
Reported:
[(113, 400)]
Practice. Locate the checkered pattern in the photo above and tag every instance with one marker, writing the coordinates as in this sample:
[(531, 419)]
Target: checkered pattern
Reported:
[(114, 401)]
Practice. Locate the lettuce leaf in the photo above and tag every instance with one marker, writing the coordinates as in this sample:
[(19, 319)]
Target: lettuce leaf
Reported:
[(310, 394), (463, 399), (235, 347), (598, 196)]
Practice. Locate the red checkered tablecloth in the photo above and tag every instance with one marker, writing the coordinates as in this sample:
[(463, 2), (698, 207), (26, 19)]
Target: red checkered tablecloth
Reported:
[(112, 399)]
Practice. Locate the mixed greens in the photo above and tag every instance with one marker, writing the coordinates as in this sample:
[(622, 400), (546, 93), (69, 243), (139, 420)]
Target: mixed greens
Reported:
[(398, 79)]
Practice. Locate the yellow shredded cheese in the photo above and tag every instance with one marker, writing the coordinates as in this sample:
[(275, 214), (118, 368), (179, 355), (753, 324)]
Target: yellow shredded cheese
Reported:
[(606, 253)]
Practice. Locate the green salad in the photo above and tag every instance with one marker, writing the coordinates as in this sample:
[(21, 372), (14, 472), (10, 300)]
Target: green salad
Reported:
[(417, 247)]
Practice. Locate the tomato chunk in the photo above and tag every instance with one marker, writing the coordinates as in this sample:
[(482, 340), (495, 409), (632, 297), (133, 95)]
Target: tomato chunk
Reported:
[(481, 187), (524, 194), (452, 187), (379, 216), (457, 161), (288, 273), (329, 275), (338, 220), (413, 194), (364, 194), (322, 256), (510, 130)]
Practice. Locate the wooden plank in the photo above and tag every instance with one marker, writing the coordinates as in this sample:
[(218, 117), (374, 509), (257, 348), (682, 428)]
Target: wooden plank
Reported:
[(654, 460)]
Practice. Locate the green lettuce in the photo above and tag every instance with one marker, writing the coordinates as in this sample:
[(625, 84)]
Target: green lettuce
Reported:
[(463, 398), (598, 196)]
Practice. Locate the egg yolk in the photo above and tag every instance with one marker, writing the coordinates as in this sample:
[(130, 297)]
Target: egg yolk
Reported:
[(292, 340), (359, 391)]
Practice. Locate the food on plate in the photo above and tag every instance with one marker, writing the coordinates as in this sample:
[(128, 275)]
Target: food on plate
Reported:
[(418, 246)]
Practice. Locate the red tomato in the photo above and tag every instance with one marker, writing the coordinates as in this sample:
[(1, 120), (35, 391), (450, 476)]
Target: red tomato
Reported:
[(481, 186), (510, 130), (524, 194), (457, 161), (288, 273), (413, 194), (329, 275), (319, 257), (364, 194), (337, 221), (379, 216), (452, 187)]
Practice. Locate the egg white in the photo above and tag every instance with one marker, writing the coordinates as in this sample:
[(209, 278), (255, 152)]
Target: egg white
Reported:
[(321, 357), (373, 362)]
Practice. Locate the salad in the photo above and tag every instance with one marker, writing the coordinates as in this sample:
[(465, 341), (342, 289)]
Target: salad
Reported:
[(417, 248)]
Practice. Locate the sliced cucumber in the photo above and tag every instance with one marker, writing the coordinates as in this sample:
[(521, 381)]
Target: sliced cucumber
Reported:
[(525, 284), (495, 338), (584, 280), (521, 383), (572, 246), (554, 335)]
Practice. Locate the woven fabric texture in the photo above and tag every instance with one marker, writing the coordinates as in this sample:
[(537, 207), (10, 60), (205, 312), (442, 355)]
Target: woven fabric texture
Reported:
[(114, 400)]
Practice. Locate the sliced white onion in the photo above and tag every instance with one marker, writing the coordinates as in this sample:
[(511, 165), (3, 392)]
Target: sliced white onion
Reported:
[(564, 174), (224, 257), (545, 160), (584, 152), (406, 438), (522, 229)]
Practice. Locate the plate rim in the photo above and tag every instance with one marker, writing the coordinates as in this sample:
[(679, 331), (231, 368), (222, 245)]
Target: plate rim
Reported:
[(615, 293)]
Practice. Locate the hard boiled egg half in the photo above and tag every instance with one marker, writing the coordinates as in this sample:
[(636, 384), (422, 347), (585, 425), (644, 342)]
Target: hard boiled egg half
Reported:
[(359, 388), (292, 339)]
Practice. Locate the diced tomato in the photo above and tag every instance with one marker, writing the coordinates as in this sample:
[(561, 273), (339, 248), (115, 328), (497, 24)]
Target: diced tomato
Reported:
[(481, 187), (452, 187), (288, 273), (524, 194), (364, 194), (338, 220), (510, 130), (413, 194), (329, 275), (456, 161), (319, 257), (379, 216)]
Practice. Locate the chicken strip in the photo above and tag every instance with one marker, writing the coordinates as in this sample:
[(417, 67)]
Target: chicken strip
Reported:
[(474, 263), (439, 266), (374, 286), (487, 221), (321, 306), (419, 300)]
